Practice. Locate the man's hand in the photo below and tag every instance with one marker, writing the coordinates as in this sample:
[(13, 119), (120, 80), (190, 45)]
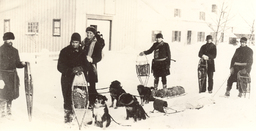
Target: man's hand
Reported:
[(89, 59), (231, 70), (2, 84), (141, 53), (205, 57), (23, 63), (77, 70)]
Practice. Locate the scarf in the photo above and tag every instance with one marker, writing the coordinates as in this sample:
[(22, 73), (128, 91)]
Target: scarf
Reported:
[(91, 47)]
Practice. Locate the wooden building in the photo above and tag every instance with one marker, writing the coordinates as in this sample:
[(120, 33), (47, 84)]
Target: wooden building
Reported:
[(48, 24)]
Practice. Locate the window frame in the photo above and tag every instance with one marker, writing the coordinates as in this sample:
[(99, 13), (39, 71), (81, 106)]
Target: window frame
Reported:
[(177, 13), (176, 36), (202, 15), (32, 31), (200, 36), (9, 24), (54, 27)]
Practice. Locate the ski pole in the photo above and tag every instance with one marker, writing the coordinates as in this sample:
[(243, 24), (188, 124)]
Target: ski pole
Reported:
[(220, 86)]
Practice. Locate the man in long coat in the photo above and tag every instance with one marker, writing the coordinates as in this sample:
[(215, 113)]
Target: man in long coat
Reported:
[(208, 53), (9, 61)]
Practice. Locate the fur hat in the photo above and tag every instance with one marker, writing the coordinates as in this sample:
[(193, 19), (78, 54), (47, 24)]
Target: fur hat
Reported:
[(92, 29), (208, 37), (76, 37), (243, 39), (8, 36), (159, 35)]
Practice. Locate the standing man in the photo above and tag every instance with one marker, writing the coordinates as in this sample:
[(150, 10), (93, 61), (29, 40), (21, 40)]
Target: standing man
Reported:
[(9, 61), (70, 63), (208, 53), (242, 60), (161, 61), (92, 46)]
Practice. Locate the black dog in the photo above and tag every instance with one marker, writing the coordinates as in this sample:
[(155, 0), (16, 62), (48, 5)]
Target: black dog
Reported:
[(101, 116), (145, 94), (115, 90), (133, 108)]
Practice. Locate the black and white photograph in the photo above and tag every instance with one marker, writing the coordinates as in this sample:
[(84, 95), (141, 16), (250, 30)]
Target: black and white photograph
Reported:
[(71, 65)]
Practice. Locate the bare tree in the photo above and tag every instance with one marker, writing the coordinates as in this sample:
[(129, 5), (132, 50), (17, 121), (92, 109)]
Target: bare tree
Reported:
[(220, 21)]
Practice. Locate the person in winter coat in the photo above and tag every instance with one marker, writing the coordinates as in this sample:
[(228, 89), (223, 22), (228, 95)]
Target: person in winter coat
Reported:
[(70, 63), (161, 61), (92, 46), (241, 61), (9, 61), (208, 53)]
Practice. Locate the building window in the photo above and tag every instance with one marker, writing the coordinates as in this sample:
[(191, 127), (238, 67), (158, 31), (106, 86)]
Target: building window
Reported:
[(6, 26), (200, 36), (222, 37), (202, 16), (177, 13), (176, 36), (33, 27), (214, 8), (56, 27)]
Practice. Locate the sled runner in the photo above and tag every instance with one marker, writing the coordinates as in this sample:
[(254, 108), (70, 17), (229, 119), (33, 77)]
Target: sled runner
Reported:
[(80, 98), (142, 69), (28, 89), (202, 73), (244, 83)]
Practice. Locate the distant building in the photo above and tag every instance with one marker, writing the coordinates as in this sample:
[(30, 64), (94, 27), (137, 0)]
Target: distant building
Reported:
[(48, 24)]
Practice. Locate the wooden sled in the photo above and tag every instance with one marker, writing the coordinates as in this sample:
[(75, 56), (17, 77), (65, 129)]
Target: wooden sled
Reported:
[(80, 98)]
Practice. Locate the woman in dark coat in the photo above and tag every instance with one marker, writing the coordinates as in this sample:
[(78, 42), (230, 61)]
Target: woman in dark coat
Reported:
[(70, 63), (9, 61), (92, 46), (161, 61)]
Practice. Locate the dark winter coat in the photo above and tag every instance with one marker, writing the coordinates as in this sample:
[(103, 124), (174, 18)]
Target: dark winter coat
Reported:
[(162, 57), (9, 61), (243, 55), (210, 50), (69, 59), (96, 57)]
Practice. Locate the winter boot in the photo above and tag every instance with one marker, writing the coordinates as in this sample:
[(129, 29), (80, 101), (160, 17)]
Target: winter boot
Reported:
[(240, 94), (9, 106), (227, 93), (155, 86), (164, 86), (2, 108), (68, 116)]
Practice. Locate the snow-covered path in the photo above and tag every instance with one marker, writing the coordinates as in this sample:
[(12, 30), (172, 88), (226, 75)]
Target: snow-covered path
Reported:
[(226, 113)]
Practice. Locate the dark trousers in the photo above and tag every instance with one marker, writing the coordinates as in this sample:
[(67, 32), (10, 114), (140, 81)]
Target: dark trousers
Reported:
[(92, 92), (66, 84), (164, 81), (232, 78), (210, 82)]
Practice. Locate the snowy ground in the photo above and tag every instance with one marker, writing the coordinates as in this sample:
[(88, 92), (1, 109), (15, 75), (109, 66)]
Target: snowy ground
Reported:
[(226, 113)]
